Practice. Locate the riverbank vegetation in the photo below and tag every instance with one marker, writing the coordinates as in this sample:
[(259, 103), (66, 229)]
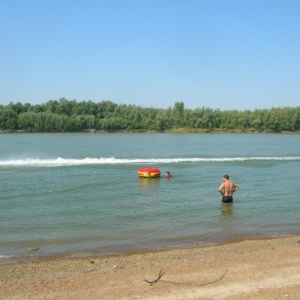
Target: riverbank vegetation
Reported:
[(69, 115)]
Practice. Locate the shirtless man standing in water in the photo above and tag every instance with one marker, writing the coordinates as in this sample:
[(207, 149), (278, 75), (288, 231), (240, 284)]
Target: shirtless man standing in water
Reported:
[(227, 188)]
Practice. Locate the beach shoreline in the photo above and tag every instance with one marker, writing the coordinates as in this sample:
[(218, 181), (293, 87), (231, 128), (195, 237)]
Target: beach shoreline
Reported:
[(244, 269), (36, 253)]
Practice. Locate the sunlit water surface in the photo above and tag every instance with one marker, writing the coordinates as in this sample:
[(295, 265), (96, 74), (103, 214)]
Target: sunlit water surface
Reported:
[(80, 193)]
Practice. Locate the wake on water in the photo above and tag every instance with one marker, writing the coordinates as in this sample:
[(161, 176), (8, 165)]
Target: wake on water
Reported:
[(58, 162)]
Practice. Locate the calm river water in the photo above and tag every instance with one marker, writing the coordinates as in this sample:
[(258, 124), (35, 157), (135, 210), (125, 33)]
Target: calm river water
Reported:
[(80, 193)]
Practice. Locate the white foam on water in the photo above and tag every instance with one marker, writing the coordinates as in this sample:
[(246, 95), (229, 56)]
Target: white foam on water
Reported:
[(58, 162)]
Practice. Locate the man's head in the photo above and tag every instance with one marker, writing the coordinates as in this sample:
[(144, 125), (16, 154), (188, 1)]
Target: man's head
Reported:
[(226, 177)]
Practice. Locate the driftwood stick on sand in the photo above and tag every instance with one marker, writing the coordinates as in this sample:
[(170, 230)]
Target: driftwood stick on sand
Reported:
[(194, 283), (161, 273)]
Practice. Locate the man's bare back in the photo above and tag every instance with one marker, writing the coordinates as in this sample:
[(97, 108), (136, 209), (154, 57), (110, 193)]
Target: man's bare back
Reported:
[(227, 188)]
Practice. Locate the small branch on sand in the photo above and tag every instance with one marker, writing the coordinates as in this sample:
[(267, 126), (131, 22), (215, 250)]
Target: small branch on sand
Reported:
[(194, 283), (161, 273)]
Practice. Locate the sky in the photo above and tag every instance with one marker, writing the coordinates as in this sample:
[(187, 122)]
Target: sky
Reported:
[(219, 54)]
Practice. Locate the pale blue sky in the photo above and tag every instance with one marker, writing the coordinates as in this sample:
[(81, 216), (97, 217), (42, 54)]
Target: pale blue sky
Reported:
[(234, 54)]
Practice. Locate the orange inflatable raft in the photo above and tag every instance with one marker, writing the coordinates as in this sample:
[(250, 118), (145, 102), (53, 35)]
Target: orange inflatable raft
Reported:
[(149, 172)]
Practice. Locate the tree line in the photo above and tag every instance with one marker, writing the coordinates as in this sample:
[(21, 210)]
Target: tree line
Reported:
[(69, 115)]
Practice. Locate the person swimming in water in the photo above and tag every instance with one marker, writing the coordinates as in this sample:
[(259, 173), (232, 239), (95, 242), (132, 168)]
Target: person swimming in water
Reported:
[(227, 188), (168, 175)]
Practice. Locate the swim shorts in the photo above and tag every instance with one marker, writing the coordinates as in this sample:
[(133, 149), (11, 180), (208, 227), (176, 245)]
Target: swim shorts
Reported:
[(227, 199)]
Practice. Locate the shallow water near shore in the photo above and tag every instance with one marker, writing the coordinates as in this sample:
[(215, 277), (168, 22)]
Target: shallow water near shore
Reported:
[(79, 193)]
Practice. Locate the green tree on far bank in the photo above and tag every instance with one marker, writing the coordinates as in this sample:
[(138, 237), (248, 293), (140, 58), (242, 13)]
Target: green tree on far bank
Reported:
[(69, 115)]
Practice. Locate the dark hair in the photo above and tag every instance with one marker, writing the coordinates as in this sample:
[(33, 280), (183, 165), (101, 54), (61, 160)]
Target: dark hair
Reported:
[(167, 172), (226, 176)]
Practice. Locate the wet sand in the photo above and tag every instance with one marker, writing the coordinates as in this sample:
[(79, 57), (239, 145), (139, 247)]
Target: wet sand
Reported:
[(251, 269)]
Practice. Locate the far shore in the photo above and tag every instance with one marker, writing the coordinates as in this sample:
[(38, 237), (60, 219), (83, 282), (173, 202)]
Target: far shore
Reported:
[(176, 130), (249, 269)]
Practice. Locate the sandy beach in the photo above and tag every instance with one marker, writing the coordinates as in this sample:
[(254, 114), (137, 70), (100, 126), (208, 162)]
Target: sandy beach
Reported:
[(251, 269)]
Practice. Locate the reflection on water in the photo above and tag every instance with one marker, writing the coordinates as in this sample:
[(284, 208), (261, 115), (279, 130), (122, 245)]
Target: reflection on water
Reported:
[(148, 183), (227, 211), (227, 219), (147, 188)]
